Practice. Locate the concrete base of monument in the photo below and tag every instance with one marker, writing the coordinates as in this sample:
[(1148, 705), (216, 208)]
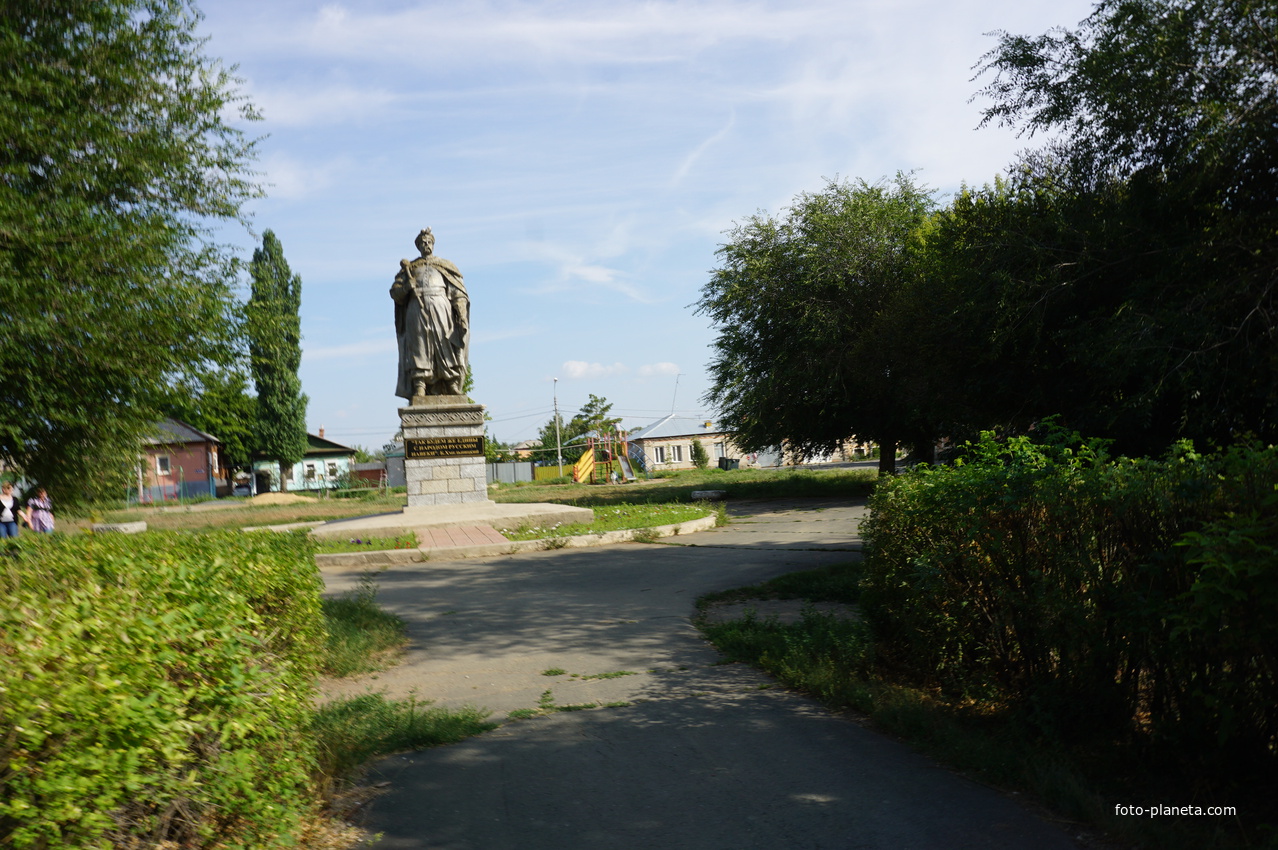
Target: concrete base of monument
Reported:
[(499, 516)]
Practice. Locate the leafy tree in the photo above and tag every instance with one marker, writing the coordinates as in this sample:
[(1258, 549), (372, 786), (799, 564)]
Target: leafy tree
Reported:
[(275, 353), (220, 404), (591, 420), (496, 451), (117, 152), (1159, 271), (700, 457), (364, 455), (799, 300), (548, 453)]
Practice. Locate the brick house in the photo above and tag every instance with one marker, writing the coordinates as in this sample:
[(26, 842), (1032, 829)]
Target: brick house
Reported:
[(179, 462)]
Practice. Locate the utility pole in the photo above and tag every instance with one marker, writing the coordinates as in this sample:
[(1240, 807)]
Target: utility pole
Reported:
[(559, 449)]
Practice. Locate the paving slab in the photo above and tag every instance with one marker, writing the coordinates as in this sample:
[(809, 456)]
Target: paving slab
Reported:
[(702, 754)]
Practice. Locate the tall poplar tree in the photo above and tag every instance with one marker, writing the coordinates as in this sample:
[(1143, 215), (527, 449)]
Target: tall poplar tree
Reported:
[(275, 353)]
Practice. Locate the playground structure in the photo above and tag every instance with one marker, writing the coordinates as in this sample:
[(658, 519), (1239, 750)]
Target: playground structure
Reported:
[(589, 470)]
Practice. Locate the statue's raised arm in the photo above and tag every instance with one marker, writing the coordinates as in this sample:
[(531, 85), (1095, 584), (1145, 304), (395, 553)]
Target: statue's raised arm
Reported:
[(432, 324)]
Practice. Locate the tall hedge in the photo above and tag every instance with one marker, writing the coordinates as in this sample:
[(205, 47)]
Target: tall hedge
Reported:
[(1097, 596), (156, 688)]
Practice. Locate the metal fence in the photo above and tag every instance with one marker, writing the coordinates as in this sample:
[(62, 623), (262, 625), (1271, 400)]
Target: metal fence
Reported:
[(509, 473)]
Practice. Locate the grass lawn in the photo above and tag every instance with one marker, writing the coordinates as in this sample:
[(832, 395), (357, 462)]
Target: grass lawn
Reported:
[(672, 487), (241, 513), (617, 518), (334, 545), (677, 486)]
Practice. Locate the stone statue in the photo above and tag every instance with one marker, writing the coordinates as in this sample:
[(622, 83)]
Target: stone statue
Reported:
[(432, 324)]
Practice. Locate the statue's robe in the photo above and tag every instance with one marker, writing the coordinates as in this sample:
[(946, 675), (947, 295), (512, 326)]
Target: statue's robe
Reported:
[(432, 326)]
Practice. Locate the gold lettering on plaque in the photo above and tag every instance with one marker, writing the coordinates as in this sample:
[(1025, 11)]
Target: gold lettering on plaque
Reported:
[(422, 448)]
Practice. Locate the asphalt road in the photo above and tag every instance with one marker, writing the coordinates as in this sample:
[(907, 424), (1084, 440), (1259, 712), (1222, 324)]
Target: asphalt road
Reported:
[(704, 756)]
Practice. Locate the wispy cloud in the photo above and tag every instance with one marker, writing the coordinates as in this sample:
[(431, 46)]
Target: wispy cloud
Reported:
[(318, 103), (654, 369), (553, 33), (578, 369), (575, 272), (691, 158), (290, 178)]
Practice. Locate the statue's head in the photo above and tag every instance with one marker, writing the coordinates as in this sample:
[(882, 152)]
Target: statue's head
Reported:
[(425, 242)]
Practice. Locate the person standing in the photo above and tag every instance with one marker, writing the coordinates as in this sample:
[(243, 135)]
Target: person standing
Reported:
[(40, 511), (9, 511)]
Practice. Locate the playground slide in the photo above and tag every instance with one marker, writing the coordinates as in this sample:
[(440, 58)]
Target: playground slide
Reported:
[(626, 469)]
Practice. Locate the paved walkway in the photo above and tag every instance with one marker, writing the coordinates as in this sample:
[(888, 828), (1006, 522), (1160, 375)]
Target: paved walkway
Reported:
[(455, 536), (704, 755)]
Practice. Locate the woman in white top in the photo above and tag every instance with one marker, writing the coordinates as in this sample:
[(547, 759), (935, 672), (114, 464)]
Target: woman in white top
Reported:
[(8, 511)]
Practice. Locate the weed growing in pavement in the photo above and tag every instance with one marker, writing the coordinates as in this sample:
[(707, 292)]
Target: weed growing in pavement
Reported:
[(554, 671), (349, 732), (546, 705), (362, 636)]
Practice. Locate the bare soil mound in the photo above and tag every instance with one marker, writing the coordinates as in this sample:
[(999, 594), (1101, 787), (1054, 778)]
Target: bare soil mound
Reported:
[(279, 499)]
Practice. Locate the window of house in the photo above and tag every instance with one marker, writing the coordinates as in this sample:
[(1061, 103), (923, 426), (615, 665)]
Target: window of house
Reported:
[(676, 454), (659, 453), (332, 469), (310, 472), (162, 465), (720, 450)]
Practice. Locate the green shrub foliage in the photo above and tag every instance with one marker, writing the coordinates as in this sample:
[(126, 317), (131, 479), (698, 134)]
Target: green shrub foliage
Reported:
[(156, 688), (1098, 596)]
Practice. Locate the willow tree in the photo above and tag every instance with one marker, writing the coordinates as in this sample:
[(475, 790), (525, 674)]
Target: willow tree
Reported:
[(799, 301), (119, 153)]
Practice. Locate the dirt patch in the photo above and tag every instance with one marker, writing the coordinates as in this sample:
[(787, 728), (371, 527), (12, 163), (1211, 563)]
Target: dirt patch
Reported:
[(279, 499), (785, 610)]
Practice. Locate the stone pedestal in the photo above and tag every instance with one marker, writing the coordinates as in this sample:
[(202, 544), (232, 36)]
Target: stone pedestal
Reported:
[(444, 451)]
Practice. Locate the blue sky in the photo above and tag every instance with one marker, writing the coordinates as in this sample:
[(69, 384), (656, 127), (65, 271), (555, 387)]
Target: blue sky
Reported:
[(580, 162)]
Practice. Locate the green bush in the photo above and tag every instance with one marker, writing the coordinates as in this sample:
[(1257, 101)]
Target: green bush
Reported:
[(1096, 596), (157, 688)]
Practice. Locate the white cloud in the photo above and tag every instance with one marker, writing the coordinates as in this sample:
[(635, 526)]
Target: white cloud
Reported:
[(301, 107), (653, 369), (575, 272), (289, 178), (553, 33), (691, 158), (577, 369)]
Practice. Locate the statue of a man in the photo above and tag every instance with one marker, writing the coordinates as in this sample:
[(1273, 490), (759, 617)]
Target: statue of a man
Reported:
[(432, 324)]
